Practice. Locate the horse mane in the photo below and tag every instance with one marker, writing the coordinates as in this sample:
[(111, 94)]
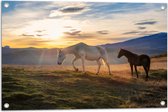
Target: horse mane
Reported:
[(81, 43), (69, 48), (129, 52)]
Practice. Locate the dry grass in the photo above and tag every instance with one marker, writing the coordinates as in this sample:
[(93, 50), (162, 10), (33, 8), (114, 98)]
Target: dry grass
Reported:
[(59, 87)]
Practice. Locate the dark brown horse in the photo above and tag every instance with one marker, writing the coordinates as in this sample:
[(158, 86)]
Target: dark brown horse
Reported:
[(136, 60)]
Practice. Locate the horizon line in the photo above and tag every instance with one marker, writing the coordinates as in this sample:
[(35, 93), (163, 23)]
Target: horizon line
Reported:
[(79, 42)]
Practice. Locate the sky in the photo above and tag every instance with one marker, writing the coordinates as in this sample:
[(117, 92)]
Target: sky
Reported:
[(61, 24)]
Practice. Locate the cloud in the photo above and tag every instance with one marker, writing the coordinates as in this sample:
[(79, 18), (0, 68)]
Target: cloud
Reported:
[(147, 32), (131, 32), (72, 33), (81, 36), (141, 27), (67, 26), (39, 35), (103, 32), (30, 35), (27, 35), (68, 10), (39, 31), (21, 17), (140, 32), (73, 29), (87, 35), (110, 10), (74, 17), (117, 39), (146, 23), (71, 9)]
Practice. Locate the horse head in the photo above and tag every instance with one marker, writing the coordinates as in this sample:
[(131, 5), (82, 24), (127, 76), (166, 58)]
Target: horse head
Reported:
[(121, 53), (61, 57)]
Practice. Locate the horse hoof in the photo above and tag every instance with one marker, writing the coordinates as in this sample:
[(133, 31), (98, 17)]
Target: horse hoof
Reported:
[(146, 79), (84, 73)]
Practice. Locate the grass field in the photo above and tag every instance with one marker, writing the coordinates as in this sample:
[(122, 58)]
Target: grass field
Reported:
[(59, 87)]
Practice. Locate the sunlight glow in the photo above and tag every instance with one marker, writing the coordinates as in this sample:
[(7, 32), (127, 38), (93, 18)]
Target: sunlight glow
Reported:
[(61, 24)]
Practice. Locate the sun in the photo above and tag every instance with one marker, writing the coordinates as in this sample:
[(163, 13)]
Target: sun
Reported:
[(54, 34), (46, 29)]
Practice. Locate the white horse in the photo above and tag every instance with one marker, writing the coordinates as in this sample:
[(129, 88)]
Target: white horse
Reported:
[(83, 51)]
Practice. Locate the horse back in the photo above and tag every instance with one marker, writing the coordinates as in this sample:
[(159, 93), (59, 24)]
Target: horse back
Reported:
[(90, 52), (143, 56), (139, 60), (144, 59)]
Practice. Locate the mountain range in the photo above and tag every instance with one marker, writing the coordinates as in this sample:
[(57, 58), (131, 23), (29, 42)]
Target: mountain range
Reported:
[(151, 45)]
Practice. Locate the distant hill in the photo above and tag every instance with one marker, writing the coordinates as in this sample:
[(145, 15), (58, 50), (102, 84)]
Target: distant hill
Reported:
[(28, 56), (152, 45)]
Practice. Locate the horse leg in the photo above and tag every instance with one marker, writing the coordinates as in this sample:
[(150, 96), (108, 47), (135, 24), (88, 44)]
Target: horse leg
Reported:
[(146, 71), (83, 64), (131, 69), (73, 63), (99, 65), (107, 66), (136, 70)]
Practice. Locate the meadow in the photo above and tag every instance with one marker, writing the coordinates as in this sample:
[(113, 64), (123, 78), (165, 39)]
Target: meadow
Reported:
[(27, 87)]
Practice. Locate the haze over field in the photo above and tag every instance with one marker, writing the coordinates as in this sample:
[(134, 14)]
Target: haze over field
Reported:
[(152, 45)]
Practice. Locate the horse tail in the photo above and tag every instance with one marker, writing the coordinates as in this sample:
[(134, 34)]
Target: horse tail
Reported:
[(102, 50), (103, 53)]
